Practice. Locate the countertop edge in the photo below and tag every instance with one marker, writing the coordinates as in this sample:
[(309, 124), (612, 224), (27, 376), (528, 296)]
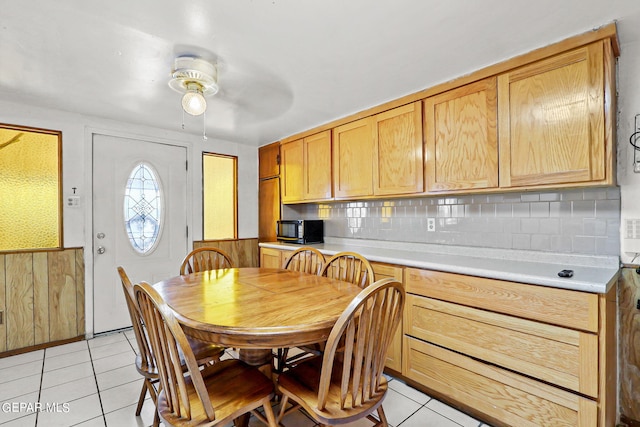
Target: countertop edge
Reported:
[(593, 279)]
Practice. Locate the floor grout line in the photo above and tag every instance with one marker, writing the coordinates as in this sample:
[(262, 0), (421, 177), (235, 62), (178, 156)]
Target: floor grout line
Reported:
[(95, 378), (401, 416)]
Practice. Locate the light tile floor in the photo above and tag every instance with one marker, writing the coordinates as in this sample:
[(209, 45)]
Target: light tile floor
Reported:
[(95, 383)]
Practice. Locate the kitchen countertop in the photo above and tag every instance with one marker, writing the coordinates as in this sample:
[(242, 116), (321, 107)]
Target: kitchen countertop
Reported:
[(591, 273)]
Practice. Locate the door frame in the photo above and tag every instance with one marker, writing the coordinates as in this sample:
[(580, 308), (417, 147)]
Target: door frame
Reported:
[(89, 250)]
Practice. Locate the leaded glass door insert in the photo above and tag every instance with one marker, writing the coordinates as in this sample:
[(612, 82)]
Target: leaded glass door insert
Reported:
[(143, 208)]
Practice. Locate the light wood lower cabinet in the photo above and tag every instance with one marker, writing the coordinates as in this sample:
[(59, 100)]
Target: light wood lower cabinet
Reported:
[(271, 258), (503, 397), (511, 353), (41, 298), (394, 354)]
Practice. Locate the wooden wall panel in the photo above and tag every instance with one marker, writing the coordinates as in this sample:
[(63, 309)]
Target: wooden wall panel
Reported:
[(62, 295), (19, 294), (243, 252), (79, 257), (40, 297), (629, 336), (3, 311)]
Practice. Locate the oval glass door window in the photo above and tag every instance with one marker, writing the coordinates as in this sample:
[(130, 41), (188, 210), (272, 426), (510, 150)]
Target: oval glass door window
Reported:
[(143, 208)]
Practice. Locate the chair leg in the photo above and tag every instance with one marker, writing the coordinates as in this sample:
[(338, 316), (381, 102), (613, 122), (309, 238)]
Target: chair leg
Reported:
[(283, 407), (156, 419), (143, 394), (383, 417)]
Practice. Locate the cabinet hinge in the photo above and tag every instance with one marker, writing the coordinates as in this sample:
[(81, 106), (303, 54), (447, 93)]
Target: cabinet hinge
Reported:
[(278, 159)]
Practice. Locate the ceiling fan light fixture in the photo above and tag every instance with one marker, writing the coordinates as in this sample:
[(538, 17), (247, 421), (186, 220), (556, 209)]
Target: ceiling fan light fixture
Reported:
[(193, 101), (195, 78)]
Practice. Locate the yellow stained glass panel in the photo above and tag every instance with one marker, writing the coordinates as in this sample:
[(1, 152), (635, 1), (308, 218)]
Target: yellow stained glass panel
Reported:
[(29, 189), (219, 196)]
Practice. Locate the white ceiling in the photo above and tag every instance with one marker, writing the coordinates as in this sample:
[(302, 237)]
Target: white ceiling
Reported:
[(284, 65)]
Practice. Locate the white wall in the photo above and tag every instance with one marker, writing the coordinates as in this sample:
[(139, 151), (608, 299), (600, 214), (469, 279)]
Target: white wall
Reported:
[(77, 131), (628, 108)]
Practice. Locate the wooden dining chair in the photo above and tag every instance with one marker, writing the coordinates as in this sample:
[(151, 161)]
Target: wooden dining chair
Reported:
[(349, 267), (215, 395), (346, 383), (205, 353), (203, 259), (306, 260)]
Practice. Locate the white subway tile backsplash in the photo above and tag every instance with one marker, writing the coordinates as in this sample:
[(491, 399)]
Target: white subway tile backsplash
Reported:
[(584, 209), (582, 221), (539, 209)]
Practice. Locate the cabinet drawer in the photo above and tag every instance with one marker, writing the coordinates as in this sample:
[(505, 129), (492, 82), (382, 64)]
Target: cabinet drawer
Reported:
[(502, 395), (561, 356), (572, 309)]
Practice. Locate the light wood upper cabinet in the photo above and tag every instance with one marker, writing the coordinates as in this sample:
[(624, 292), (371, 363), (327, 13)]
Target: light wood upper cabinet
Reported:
[(292, 163), (552, 120), (353, 159), (269, 160), (461, 138), (317, 166), (306, 168), (398, 151)]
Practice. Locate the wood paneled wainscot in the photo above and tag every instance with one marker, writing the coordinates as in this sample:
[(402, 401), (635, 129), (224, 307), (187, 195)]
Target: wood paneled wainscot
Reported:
[(515, 354), (243, 252), (41, 298)]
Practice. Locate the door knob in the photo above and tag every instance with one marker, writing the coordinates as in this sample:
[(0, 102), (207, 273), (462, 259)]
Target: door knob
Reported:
[(101, 250)]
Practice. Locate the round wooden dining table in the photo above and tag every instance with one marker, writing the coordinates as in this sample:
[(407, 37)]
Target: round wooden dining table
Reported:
[(257, 309)]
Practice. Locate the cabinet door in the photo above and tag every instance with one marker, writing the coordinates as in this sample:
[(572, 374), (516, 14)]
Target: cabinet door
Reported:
[(461, 138), (353, 159), (268, 209), (394, 354), (270, 258), (399, 158), (268, 160), (551, 120), (317, 166), (292, 156)]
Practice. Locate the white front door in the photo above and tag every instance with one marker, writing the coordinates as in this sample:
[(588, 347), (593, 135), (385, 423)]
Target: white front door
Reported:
[(114, 161)]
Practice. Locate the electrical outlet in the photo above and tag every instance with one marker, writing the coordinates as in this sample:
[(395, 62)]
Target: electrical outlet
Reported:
[(431, 224)]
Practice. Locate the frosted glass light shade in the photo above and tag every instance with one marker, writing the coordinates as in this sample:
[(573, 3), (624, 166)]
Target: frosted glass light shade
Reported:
[(193, 102)]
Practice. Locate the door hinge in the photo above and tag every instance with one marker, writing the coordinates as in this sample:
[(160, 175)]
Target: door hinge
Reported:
[(186, 164), (187, 227)]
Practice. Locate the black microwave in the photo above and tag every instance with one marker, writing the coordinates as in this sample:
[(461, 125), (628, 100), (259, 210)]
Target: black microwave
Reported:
[(300, 231)]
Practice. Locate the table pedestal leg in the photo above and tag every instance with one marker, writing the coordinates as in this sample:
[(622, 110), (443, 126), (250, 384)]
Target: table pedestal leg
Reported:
[(261, 359)]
